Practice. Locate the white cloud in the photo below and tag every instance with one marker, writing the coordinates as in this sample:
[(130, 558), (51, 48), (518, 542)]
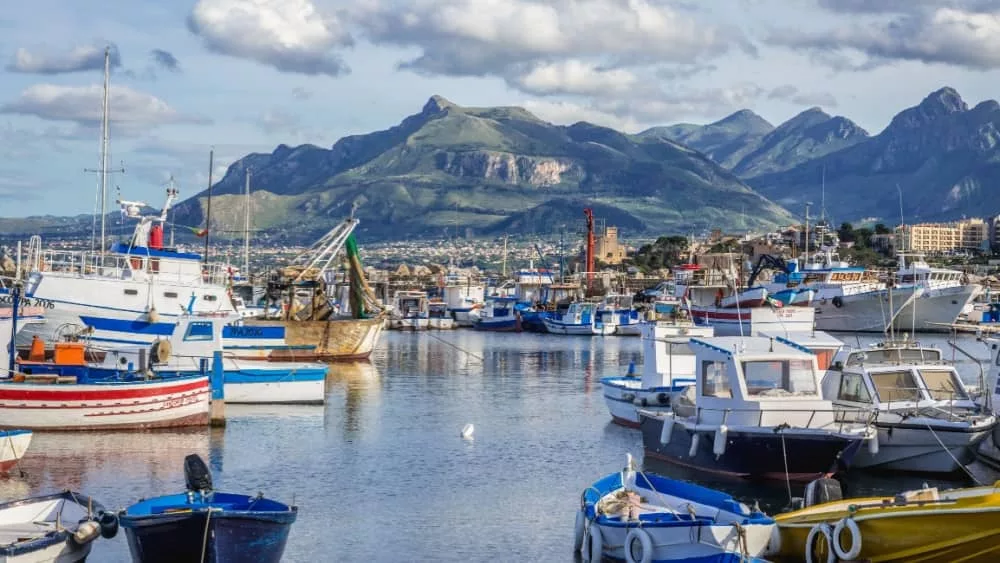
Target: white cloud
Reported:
[(573, 77), (81, 58), (566, 113), (83, 105), (289, 35), (943, 35)]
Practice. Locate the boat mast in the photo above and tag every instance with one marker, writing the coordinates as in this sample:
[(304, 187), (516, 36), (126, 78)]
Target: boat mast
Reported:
[(208, 210), (246, 229), (104, 149)]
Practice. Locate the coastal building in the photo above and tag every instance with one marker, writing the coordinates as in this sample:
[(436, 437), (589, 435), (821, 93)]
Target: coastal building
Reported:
[(608, 249), (967, 234)]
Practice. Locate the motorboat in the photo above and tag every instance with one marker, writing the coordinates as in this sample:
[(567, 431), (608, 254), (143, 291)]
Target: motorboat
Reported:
[(438, 317), (201, 525), (927, 421), (410, 311), (499, 314), (668, 367), (580, 319), (755, 412), (636, 516)]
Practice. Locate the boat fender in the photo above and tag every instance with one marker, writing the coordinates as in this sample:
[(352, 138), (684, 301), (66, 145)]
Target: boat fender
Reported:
[(873, 445), (773, 543), (630, 397), (593, 550), (721, 437), (153, 315), (109, 524), (695, 439), (86, 532), (663, 398), (579, 530), (838, 302), (667, 430), (638, 546), (820, 529), (850, 525)]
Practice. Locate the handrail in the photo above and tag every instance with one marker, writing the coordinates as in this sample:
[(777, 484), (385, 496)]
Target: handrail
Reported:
[(869, 415)]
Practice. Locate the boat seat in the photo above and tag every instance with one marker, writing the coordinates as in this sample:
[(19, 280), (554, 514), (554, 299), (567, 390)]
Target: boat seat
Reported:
[(24, 531), (193, 507)]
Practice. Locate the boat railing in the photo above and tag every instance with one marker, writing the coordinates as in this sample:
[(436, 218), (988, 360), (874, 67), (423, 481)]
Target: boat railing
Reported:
[(840, 418), (942, 408), (119, 266)]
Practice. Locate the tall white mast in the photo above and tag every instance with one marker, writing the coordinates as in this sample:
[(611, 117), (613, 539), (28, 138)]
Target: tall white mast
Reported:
[(246, 229), (103, 170)]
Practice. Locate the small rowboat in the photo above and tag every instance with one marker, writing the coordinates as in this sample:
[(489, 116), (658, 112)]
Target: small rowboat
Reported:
[(638, 517), (204, 526), (59, 528)]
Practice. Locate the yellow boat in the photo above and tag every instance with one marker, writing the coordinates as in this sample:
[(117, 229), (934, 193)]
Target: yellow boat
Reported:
[(921, 526)]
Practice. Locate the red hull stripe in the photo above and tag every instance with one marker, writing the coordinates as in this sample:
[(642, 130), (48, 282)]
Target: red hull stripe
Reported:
[(62, 393)]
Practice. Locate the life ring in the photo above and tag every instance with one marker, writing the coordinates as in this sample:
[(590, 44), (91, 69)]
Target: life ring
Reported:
[(838, 302), (579, 530), (645, 554), (850, 525), (824, 529)]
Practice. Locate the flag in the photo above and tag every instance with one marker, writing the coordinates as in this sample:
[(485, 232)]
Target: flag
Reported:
[(774, 302), (199, 232)]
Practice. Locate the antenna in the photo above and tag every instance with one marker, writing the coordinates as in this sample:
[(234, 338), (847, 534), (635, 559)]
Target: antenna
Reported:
[(246, 230), (208, 211), (902, 223), (822, 204)]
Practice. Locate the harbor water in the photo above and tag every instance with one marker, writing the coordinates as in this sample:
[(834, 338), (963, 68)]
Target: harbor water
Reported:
[(381, 473)]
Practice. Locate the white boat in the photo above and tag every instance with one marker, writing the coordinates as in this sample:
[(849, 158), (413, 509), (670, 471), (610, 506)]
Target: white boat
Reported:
[(438, 317), (619, 310), (463, 299), (942, 295), (499, 314), (13, 445), (580, 319), (409, 311), (667, 367), (754, 395), (927, 422), (641, 517), (744, 298), (56, 528)]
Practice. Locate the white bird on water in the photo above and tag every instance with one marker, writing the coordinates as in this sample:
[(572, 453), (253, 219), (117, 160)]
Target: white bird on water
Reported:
[(467, 431)]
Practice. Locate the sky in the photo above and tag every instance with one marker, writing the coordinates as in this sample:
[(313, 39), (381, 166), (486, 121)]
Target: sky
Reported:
[(241, 76)]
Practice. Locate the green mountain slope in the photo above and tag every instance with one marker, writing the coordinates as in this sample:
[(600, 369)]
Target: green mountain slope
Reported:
[(488, 170)]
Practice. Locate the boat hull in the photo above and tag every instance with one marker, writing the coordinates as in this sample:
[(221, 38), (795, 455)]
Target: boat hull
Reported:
[(105, 406), (756, 454), (913, 448), (260, 389), (623, 394), (178, 537), (630, 329), (574, 329), (936, 309), (333, 340), (967, 530), (498, 325), (860, 312), (732, 322), (13, 445)]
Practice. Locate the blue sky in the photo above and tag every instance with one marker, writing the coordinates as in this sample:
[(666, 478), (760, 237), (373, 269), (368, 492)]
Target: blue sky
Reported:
[(247, 75)]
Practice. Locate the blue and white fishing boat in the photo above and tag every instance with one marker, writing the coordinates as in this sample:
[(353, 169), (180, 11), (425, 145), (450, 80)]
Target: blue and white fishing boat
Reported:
[(204, 526), (668, 367), (58, 527), (189, 349), (580, 319), (641, 518), (499, 314)]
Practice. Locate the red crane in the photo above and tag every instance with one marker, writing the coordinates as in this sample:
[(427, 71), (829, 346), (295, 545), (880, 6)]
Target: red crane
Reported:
[(589, 213)]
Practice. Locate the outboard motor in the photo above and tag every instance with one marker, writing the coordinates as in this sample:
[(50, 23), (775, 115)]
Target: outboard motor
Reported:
[(197, 477), (821, 491)]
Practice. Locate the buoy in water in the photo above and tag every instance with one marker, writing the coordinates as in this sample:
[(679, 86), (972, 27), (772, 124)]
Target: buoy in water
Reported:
[(467, 431)]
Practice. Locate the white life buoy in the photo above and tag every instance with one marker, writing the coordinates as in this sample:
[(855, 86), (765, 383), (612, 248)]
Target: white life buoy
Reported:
[(579, 529), (645, 546), (855, 549), (820, 529)]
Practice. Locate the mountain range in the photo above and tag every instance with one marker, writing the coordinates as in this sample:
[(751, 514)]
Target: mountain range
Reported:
[(451, 170)]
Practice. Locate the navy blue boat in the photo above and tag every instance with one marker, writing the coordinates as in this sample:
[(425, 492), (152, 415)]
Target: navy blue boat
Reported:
[(202, 525)]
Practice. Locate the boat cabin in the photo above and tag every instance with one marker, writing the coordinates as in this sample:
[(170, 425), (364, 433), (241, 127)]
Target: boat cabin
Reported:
[(580, 314), (757, 381), (498, 308), (667, 357), (823, 344), (894, 377), (411, 305)]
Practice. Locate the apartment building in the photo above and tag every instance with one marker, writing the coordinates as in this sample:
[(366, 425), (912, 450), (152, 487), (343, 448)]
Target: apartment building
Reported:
[(967, 234)]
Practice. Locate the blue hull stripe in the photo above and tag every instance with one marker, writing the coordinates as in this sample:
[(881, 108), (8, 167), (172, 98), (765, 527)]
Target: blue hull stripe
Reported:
[(132, 327), (275, 376)]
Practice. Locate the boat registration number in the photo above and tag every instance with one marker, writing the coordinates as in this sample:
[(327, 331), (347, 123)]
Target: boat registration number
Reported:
[(28, 302), (178, 402)]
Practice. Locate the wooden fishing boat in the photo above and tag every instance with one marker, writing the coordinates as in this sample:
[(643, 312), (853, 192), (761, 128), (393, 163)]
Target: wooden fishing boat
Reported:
[(58, 527), (327, 340), (925, 525), (205, 526), (639, 517)]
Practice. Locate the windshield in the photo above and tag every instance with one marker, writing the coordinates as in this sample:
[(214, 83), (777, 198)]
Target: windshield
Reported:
[(895, 386), (943, 384), (782, 377)]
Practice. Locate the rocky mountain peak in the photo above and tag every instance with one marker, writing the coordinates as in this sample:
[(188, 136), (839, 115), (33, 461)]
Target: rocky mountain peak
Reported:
[(745, 120), (937, 104), (436, 104)]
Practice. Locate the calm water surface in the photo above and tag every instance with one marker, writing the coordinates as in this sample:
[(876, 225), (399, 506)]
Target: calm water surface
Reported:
[(380, 473)]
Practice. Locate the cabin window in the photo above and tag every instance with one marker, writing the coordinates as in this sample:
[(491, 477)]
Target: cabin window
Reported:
[(131, 292), (943, 384), (209, 297), (198, 331), (853, 389), (895, 386), (715, 380), (170, 294), (773, 378)]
